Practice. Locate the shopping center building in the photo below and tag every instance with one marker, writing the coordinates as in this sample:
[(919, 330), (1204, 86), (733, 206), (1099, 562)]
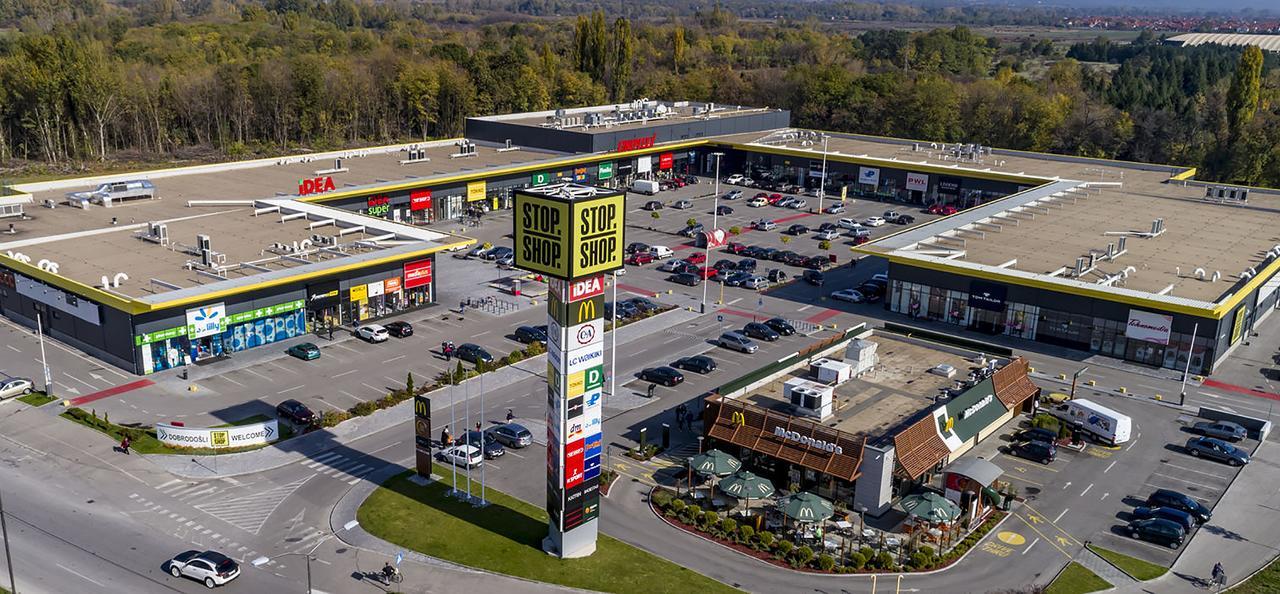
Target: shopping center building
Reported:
[(124, 273)]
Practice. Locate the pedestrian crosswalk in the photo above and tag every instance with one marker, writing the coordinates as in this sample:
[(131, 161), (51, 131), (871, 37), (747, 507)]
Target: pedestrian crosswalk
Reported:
[(340, 467), (680, 453), (250, 512)]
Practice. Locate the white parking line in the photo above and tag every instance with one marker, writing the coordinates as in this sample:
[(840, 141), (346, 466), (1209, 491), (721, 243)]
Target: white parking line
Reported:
[(1182, 480), (1217, 476), (1133, 443), (396, 358), (80, 575), (338, 375), (1033, 543), (1064, 512), (265, 377), (1113, 463), (233, 381), (13, 348), (287, 390), (1086, 490)]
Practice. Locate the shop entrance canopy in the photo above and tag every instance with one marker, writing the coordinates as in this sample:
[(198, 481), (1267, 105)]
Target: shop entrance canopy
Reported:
[(981, 471)]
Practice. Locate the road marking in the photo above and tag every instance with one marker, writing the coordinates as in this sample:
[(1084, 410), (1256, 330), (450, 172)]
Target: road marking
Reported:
[(345, 348), (80, 575), (1086, 490), (374, 388), (1133, 443), (481, 334), (232, 381), (265, 377), (1104, 495), (396, 358), (287, 390), (737, 300), (1018, 478), (1182, 480), (1064, 512), (13, 348), (168, 484), (1217, 476), (1064, 487), (1113, 463), (1033, 543), (1037, 531), (344, 373)]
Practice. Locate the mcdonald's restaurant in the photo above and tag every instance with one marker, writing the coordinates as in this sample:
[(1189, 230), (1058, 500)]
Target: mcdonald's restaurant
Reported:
[(871, 422)]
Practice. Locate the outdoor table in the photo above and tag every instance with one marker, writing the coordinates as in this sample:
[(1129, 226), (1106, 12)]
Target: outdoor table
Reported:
[(868, 533), (843, 525), (831, 545), (892, 541)]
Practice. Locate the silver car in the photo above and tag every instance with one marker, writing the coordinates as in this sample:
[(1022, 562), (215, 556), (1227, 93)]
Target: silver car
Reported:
[(373, 333), (15, 386), (737, 342), (1221, 429)]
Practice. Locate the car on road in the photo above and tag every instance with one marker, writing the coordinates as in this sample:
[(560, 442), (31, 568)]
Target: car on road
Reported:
[(640, 258), (850, 295), (682, 204), (652, 205), (780, 326), (1159, 531), (813, 277), (828, 234), (1224, 430), (1216, 449), (724, 210), (797, 229), (760, 331), (296, 412), (874, 221), (764, 225), (667, 376), (373, 332), (513, 435), (399, 329), (530, 334), (737, 278), (1176, 500), (757, 202), (942, 209), (835, 209), (485, 440), (735, 248), (1043, 452), (737, 342), (1036, 434), (697, 364), (473, 353), (467, 456), (305, 351), (1176, 516), (732, 195), (210, 568), (685, 278)]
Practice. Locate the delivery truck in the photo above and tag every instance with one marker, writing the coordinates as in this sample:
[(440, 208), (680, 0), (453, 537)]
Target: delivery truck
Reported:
[(1107, 425), (645, 186)]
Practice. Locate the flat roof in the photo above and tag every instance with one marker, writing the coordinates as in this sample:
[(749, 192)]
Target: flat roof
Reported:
[(636, 115), (898, 388), (1112, 198)]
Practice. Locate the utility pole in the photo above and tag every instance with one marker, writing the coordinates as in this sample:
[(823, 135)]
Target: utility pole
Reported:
[(1076, 376), (48, 378), (706, 246), (8, 555), (822, 185), (1182, 397)]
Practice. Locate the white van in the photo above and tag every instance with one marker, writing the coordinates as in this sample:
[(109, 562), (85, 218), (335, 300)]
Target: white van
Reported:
[(661, 252), (1107, 425), (645, 186)]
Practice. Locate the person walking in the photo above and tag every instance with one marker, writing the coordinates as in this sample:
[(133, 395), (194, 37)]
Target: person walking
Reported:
[(510, 415), (1219, 577), (446, 439), (124, 444), (446, 351)]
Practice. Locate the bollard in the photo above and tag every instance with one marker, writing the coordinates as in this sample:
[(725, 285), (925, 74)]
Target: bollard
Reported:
[(1031, 369), (66, 403), (191, 388), (1062, 376), (1159, 397), (1123, 390), (1092, 383)]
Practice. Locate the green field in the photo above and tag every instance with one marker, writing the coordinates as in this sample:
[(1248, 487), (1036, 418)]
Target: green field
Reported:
[(1075, 579), (1266, 581), (506, 537), (37, 399), (1136, 568)]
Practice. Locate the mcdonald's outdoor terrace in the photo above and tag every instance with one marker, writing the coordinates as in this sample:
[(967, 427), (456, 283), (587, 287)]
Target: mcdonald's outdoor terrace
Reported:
[(874, 425)]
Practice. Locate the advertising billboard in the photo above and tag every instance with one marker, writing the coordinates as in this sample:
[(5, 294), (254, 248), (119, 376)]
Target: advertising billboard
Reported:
[(569, 239), (206, 320), (1151, 327), (417, 274), (869, 175), (422, 435), (918, 182)]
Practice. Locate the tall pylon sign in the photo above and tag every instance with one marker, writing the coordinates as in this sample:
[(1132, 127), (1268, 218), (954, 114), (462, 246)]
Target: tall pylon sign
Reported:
[(573, 235)]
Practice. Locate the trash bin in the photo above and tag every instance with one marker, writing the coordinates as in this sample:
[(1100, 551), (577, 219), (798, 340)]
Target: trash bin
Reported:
[(515, 287)]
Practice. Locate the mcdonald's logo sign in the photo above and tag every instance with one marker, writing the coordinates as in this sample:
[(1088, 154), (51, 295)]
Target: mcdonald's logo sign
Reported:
[(586, 311), (422, 407), (738, 419)]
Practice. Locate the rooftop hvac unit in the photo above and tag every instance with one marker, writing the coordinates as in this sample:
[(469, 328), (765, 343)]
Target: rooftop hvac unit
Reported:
[(809, 398), (862, 355), (203, 243), (830, 371)]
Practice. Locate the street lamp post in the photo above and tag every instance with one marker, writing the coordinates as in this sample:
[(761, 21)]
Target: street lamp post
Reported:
[(715, 220), (1074, 377), (1182, 397), (822, 185), (8, 556), (44, 363), (260, 561)]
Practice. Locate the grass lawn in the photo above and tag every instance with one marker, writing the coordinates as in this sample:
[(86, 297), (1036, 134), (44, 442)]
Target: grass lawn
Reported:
[(145, 441), (1266, 582), (37, 399), (1136, 568), (506, 537), (1075, 579)]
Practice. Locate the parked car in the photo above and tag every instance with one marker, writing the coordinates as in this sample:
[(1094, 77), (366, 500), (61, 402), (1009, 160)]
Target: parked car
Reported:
[(725, 264), (760, 331), (1041, 451), (1224, 430), (664, 375), (639, 258), (737, 342), (693, 230), (903, 219), (685, 278), (1036, 434), (531, 334), (797, 229), (764, 225), (1176, 500), (747, 264), (643, 304), (785, 202), (889, 215), (696, 258), (734, 179), (756, 283), (775, 198), (682, 204), (671, 265), (835, 209), (373, 332), (1159, 531), (513, 435), (780, 326), (813, 277), (828, 235), (849, 224), (637, 247), (661, 252), (757, 202), (652, 205), (501, 252), (296, 413), (942, 209), (467, 456), (399, 329), (473, 353), (816, 262), (871, 291), (488, 442), (850, 295), (210, 568), (798, 204), (776, 275), (305, 351), (1176, 516), (734, 247), (475, 252), (697, 364), (873, 221), (723, 210), (624, 310), (737, 279), (1216, 449)]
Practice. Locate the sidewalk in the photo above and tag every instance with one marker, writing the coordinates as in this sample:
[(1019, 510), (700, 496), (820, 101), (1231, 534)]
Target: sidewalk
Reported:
[(1244, 534)]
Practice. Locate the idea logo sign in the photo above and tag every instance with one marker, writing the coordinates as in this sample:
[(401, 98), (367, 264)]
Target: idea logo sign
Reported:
[(316, 185)]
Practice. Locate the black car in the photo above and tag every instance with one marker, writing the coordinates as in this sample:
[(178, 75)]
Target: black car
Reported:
[(761, 331), (625, 310), (746, 265), (531, 334), (473, 353), (637, 246), (780, 255), (1036, 434), (664, 375), (766, 253), (724, 210), (1176, 516), (813, 277), (1040, 451), (780, 326), (794, 259), (697, 363), (652, 205), (797, 230), (828, 227), (693, 230), (484, 440), (513, 435), (685, 278), (399, 329), (816, 262), (777, 275), (643, 304), (499, 253), (725, 265), (903, 219), (1176, 500), (752, 251), (296, 412), (736, 279), (1157, 530), (873, 292)]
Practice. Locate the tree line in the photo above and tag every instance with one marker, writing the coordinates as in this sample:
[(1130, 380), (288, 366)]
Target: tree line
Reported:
[(216, 79)]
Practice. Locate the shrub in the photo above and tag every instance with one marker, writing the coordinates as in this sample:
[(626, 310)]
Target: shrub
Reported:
[(735, 230), (655, 215), (691, 222), (690, 513), (661, 498), (408, 383), (481, 366), (920, 560), (534, 349), (824, 245), (746, 534), (331, 418), (677, 505), (766, 539), (1063, 431), (729, 527), (708, 519), (783, 548), (514, 357), (856, 561), (786, 239), (826, 562), (801, 556), (885, 561), (364, 409), (927, 550), (867, 554)]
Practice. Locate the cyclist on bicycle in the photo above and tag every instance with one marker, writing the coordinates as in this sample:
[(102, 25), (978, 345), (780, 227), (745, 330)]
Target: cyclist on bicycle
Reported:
[(390, 572)]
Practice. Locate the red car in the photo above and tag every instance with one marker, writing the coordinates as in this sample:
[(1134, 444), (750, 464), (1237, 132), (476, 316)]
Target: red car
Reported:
[(696, 258), (943, 209), (735, 247), (639, 258), (774, 198), (861, 239), (707, 272)]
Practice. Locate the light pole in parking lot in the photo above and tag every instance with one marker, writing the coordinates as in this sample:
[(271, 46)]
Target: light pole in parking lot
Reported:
[(44, 363), (715, 221), (8, 556), (260, 561), (1182, 396), (822, 184)]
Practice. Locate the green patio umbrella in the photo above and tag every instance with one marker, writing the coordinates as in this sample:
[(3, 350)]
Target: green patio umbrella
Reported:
[(806, 507), (714, 462), (931, 507), (746, 485)]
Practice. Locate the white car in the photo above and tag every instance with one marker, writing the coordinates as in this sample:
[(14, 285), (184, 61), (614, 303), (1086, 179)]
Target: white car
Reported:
[(682, 204), (210, 567), (814, 192), (798, 204), (734, 179), (874, 221), (757, 202), (465, 455), (15, 386), (849, 224), (373, 332), (882, 277), (835, 209), (850, 295), (891, 215), (670, 265), (764, 225), (828, 235)]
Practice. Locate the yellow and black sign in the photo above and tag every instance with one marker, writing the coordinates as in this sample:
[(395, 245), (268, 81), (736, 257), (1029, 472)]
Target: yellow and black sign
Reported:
[(569, 238), (476, 191), (220, 439), (576, 312)]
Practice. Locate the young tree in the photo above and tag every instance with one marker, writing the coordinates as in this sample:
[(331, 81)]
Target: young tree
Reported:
[(1242, 98), (620, 56), (678, 47)]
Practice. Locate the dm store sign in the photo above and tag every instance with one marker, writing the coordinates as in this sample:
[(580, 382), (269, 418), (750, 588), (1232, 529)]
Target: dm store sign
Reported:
[(206, 321)]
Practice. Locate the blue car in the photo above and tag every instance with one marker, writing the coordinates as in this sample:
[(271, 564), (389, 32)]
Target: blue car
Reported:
[(1216, 449)]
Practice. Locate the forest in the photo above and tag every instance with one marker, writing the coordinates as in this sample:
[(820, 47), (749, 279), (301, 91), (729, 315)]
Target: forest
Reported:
[(86, 85)]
